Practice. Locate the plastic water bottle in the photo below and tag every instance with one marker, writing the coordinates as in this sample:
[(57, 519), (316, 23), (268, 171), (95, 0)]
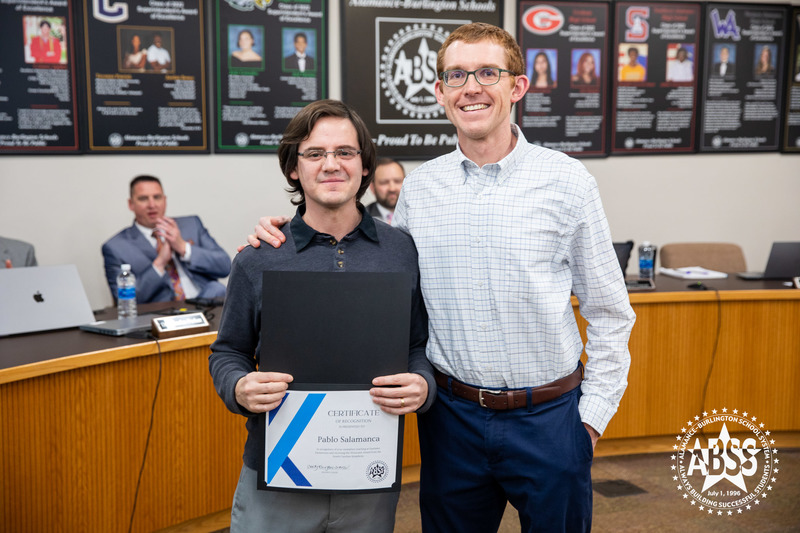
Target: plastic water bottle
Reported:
[(126, 293), (647, 259)]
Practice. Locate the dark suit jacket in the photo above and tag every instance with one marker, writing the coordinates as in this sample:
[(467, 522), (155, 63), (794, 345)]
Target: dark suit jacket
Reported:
[(731, 70), (20, 253), (374, 212), (208, 262), (291, 62)]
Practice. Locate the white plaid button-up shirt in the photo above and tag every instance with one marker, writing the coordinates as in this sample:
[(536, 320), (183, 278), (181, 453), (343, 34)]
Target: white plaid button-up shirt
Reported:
[(500, 250)]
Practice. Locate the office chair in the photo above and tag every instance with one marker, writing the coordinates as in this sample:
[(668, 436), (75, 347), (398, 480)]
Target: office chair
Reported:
[(623, 250), (720, 256)]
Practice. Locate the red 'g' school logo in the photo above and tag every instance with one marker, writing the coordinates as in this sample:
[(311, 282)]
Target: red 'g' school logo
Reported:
[(543, 20)]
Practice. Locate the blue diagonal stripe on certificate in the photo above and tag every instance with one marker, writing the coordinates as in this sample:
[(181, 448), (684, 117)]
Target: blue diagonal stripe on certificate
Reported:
[(294, 474), (280, 453), (275, 411)]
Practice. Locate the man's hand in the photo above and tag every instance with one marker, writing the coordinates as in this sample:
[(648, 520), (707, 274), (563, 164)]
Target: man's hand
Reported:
[(163, 254), (399, 394), (168, 228), (267, 229), (592, 433), (260, 392)]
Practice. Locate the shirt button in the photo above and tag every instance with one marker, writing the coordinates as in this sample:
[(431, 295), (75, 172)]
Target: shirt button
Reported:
[(340, 251), (333, 242), (340, 263), (483, 327)]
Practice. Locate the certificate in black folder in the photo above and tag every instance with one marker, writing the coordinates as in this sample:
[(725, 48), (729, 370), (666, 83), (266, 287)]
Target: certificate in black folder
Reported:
[(334, 332)]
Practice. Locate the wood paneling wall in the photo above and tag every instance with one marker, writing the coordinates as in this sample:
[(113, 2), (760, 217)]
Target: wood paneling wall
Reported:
[(672, 345), (72, 445)]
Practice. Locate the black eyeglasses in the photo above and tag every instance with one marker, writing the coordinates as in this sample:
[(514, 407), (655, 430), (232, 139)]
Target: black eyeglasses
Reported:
[(484, 76), (345, 154)]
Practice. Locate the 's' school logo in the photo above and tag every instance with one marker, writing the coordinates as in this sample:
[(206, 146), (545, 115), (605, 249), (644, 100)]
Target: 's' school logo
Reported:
[(636, 19), (543, 20)]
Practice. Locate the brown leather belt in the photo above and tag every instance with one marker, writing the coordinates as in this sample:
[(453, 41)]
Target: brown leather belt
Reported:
[(502, 400)]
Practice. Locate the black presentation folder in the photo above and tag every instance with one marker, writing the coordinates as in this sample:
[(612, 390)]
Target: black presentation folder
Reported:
[(335, 330)]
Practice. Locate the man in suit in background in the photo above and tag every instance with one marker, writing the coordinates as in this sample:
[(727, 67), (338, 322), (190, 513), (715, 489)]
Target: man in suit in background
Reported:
[(389, 176), (14, 253), (299, 60), (173, 259)]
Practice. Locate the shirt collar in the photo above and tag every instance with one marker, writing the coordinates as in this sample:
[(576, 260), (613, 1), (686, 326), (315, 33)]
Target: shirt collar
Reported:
[(383, 211), (504, 165), (303, 234), (147, 232)]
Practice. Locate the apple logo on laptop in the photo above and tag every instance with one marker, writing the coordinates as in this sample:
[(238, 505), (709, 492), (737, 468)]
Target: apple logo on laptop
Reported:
[(38, 297)]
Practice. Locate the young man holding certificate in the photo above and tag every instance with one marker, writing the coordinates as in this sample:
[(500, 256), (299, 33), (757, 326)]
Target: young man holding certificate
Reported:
[(328, 158)]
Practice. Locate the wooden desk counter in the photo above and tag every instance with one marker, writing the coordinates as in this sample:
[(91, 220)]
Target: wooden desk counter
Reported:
[(74, 416), (740, 337)]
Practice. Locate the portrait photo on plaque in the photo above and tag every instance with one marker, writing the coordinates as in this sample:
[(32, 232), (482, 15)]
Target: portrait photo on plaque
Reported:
[(724, 60), (147, 49), (299, 51), (45, 39), (632, 62), (542, 67), (764, 63), (247, 46), (680, 62), (586, 67)]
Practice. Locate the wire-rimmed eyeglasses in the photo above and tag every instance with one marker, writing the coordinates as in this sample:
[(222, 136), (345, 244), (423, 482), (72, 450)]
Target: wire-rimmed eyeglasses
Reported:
[(345, 154), (484, 76)]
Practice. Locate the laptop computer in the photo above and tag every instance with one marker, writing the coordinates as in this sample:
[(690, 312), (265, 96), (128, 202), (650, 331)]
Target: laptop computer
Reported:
[(783, 263), (121, 326), (637, 284), (42, 298)]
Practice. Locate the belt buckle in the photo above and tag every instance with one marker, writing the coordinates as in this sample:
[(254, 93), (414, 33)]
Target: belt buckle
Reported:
[(487, 391)]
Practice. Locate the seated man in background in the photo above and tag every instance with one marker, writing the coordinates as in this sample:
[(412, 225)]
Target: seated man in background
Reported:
[(389, 176), (14, 253), (172, 259)]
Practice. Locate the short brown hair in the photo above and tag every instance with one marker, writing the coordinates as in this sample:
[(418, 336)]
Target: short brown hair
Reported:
[(389, 161), (142, 178), (481, 31), (299, 129)]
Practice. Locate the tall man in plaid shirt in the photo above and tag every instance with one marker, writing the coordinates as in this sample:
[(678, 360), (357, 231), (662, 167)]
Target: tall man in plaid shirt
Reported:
[(506, 231)]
